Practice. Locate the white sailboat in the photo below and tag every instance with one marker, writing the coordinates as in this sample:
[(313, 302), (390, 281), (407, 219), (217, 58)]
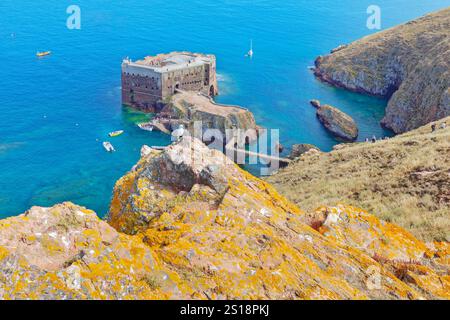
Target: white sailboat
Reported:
[(250, 52)]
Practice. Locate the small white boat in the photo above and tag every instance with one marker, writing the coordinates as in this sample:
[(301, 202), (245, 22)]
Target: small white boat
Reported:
[(108, 146), (146, 126), (250, 52), (115, 133)]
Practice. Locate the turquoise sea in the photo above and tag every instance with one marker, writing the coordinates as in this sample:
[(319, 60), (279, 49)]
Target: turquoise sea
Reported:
[(56, 111)]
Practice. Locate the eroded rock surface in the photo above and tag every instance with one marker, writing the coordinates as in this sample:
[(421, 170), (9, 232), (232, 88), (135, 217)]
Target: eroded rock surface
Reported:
[(233, 236), (67, 252), (193, 225), (419, 265)]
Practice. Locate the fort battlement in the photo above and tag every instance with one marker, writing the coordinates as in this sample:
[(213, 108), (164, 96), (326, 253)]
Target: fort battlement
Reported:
[(148, 82)]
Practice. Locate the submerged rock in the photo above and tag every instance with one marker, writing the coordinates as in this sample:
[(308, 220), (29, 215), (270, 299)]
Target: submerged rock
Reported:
[(337, 122)]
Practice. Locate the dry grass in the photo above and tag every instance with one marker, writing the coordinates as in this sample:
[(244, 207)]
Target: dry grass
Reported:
[(404, 180)]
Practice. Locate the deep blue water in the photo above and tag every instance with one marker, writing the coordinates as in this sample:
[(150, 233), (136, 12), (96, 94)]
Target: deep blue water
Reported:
[(56, 111)]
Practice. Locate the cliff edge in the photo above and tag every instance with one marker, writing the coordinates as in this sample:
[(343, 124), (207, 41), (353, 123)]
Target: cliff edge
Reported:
[(188, 223), (405, 180), (409, 64)]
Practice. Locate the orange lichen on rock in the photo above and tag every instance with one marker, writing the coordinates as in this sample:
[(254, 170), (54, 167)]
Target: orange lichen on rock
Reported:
[(227, 234), (67, 252), (190, 224), (423, 267)]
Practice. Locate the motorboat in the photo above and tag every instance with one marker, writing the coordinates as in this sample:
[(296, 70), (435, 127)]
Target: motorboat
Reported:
[(115, 133), (147, 126), (108, 146), (43, 53)]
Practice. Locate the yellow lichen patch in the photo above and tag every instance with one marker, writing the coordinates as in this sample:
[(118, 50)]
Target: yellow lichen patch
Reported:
[(221, 233), (3, 253), (355, 227)]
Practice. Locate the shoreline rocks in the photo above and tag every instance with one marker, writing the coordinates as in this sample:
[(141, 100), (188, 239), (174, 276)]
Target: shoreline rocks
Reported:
[(338, 123), (315, 103), (409, 65), (299, 149)]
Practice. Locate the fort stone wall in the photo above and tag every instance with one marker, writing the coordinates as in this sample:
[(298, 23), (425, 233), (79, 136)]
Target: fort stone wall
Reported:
[(147, 83)]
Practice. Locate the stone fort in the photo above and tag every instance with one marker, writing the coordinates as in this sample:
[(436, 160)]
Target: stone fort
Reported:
[(147, 83)]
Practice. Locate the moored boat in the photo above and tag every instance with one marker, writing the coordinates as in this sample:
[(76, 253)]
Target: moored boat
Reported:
[(115, 133), (43, 54), (108, 146), (147, 126)]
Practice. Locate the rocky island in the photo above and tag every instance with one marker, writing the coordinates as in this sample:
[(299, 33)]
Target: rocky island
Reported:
[(408, 64), (188, 107), (188, 223), (340, 124)]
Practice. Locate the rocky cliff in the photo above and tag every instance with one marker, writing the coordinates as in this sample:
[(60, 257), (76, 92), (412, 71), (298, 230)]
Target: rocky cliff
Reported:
[(189, 107), (405, 180), (409, 64), (188, 223)]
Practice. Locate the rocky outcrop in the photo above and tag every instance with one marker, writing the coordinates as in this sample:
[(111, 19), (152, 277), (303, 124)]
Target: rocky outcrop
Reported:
[(404, 180), (192, 225), (233, 236), (409, 64), (67, 252), (298, 149), (421, 266), (187, 108), (315, 103), (337, 122)]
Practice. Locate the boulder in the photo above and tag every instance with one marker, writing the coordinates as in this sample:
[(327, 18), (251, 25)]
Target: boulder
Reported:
[(67, 252), (298, 149), (315, 103), (337, 122)]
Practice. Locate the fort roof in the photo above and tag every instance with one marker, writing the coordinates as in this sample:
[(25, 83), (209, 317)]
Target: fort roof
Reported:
[(162, 63)]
